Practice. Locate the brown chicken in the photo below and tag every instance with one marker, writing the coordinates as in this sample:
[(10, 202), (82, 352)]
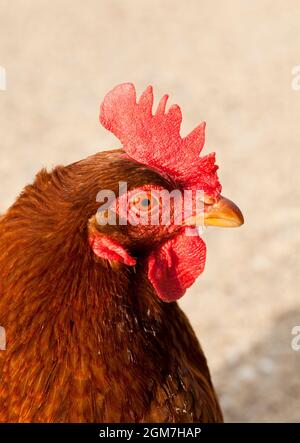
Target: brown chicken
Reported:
[(93, 330)]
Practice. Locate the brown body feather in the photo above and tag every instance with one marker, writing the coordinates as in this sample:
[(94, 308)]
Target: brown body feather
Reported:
[(87, 341)]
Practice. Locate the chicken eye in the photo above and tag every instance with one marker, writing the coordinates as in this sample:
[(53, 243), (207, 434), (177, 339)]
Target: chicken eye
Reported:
[(144, 201)]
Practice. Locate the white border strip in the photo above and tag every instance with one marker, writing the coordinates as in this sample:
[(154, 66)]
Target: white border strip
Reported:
[(2, 339), (2, 79)]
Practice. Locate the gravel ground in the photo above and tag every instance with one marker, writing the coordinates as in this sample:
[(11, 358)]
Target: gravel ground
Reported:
[(227, 63)]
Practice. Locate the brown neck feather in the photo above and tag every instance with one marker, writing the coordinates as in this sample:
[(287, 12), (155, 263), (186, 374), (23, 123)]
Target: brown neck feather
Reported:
[(87, 323)]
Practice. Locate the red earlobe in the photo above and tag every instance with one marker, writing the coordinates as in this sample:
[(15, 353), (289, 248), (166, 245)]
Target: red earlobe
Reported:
[(109, 249)]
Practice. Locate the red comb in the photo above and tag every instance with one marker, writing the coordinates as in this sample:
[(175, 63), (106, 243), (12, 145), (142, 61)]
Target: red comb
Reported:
[(155, 140)]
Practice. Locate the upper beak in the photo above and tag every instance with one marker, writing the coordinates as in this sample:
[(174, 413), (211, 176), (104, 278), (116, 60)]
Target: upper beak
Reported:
[(223, 213)]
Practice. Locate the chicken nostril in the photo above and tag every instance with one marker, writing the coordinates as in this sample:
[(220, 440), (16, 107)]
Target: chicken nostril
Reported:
[(209, 200)]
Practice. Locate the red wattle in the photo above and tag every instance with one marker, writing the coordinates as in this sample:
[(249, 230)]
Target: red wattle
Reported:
[(174, 266)]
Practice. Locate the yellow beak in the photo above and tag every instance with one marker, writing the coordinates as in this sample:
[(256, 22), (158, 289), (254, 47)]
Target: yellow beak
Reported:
[(224, 213)]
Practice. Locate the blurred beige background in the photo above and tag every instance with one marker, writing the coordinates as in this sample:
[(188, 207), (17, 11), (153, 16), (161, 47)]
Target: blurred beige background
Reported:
[(228, 63)]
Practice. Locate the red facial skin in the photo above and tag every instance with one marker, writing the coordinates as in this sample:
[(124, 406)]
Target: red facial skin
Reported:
[(177, 261)]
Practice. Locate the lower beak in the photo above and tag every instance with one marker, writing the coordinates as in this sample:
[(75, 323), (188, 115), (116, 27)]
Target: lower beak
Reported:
[(224, 213)]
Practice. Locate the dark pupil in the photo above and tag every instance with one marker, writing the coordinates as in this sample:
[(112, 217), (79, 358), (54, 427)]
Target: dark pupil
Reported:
[(145, 202)]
